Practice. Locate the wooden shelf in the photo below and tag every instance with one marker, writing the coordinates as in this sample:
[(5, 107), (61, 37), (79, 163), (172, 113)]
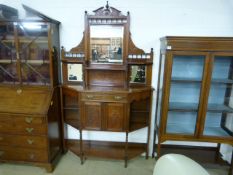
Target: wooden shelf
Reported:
[(219, 108), (178, 106), (179, 79), (226, 81), (73, 60), (215, 131), (8, 61)]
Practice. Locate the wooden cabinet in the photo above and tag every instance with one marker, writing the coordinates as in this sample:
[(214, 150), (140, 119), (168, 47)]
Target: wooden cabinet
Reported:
[(108, 81), (194, 100), (29, 106)]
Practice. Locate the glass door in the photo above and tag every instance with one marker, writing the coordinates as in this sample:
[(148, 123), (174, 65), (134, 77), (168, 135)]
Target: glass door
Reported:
[(219, 116), (185, 92), (8, 65)]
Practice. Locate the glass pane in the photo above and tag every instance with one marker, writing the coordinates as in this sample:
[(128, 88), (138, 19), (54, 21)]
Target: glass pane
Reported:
[(75, 72), (8, 66), (35, 74), (187, 67), (34, 53), (181, 122), (138, 74), (219, 118), (222, 69), (106, 43), (185, 87), (218, 124)]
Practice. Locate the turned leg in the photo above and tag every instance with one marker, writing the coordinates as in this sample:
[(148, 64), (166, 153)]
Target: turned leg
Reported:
[(81, 147), (126, 150), (158, 149)]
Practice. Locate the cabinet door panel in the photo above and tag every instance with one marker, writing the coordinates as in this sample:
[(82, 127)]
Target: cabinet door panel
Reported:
[(114, 116), (185, 89), (92, 115), (219, 114)]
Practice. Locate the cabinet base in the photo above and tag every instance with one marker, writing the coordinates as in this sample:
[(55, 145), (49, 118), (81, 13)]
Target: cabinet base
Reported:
[(49, 167), (109, 150)]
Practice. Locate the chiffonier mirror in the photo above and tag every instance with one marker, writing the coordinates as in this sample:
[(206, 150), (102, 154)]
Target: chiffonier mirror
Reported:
[(107, 86)]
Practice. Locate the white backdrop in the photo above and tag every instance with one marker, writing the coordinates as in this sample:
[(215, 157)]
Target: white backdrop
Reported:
[(150, 20)]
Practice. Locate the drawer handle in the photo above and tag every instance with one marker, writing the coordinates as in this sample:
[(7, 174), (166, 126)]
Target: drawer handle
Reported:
[(29, 130), (1, 153), (28, 119), (90, 96), (30, 142), (32, 156), (118, 97), (51, 103)]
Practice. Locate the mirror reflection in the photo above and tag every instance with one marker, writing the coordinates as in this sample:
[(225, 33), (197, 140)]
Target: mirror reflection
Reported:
[(138, 74), (75, 72), (106, 44)]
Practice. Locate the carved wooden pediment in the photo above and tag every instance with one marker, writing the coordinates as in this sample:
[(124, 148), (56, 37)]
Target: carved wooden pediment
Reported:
[(107, 11)]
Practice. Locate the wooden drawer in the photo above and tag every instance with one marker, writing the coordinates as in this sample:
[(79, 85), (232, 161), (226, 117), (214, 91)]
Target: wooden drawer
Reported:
[(21, 154), (104, 97), (28, 119), (30, 129), (23, 141)]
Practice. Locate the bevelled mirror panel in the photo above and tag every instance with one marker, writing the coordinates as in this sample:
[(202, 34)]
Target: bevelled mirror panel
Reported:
[(106, 44), (75, 72)]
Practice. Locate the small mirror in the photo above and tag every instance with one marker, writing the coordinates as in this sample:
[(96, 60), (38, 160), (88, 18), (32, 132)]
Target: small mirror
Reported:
[(75, 72), (106, 44), (138, 74)]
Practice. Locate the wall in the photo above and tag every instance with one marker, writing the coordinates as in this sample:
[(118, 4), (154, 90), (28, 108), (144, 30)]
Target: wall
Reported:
[(150, 20)]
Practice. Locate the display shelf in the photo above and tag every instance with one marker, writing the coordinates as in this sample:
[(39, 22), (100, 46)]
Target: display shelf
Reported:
[(179, 106), (185, 79), (225, 81), (219, 108)]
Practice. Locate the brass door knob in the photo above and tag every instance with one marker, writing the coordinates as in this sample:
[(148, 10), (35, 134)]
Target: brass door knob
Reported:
[(90, 96)]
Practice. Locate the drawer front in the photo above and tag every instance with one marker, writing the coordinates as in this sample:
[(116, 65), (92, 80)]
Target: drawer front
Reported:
[(104, 97), (23, 141), (20, 154), (27, 119), (30, 129)]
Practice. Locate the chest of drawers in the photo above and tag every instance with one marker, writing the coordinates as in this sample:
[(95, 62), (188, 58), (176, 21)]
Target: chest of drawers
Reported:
[(29, 132)]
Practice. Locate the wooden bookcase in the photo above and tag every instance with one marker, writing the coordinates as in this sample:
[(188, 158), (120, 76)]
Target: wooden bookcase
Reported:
[(30, 127), (107, 86), (194, 100)]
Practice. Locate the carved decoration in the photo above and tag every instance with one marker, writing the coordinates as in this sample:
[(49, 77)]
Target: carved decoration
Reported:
[(79, 48), (107, 11), (133, 49)]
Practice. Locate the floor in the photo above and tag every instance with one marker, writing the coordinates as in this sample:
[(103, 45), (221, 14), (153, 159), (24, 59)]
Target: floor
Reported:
[(70, 165)]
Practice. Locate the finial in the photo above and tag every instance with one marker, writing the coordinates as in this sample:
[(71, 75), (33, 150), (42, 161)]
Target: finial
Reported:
[(107, 6)]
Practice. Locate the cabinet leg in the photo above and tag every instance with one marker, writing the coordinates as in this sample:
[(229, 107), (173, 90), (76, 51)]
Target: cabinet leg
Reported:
[(81, 147), (158, 149), (154, 145), (126, 150), (231, 166), (217, 153)]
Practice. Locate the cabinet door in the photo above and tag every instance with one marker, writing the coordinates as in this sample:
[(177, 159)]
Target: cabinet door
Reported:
[(219, 112), (8, 62), (184, 73), (114, 113), (92, 115)]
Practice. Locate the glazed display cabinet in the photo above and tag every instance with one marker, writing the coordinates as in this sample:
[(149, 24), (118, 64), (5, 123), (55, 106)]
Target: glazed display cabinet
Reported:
[(107, 86), (29, 105), (194, 101)]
